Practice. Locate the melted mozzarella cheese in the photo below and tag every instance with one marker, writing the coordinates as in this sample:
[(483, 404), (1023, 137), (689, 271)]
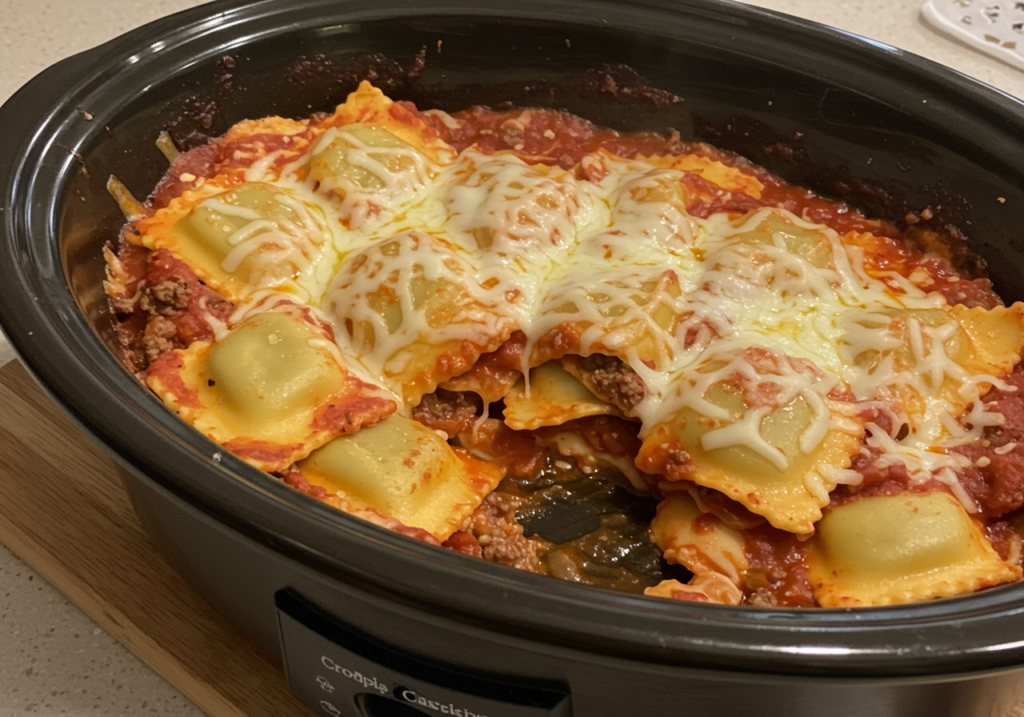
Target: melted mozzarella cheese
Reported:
[(522, 221), (372, 173), (413, 309), (422, 261)]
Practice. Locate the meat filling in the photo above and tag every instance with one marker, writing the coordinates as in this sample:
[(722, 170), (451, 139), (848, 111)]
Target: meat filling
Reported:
[(609, 378), (499, 535)]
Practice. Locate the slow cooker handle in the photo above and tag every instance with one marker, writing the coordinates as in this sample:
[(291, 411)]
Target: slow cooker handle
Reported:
[(339, 672)]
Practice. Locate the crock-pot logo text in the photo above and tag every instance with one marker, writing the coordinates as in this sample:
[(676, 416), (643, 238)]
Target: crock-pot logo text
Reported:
[(445, 708), (367, 681)]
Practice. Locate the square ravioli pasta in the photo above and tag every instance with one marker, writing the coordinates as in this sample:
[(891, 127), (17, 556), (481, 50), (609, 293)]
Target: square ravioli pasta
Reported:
[(627, 361)]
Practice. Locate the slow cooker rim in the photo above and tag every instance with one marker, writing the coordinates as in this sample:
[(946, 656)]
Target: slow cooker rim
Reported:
[(25, 317)]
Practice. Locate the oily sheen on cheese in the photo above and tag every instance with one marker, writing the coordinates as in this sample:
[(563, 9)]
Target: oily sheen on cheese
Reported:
[(428, 320)]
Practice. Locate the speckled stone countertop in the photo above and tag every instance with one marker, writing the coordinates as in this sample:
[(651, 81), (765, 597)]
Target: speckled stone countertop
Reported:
[(53, 659)]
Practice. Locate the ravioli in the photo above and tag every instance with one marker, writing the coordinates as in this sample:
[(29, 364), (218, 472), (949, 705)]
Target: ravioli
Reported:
[(714, 172), (706, 587), (271, 391), (903, 548), (632, 314), (413, 308), (406, 471), (699, 541), (758, 427), (368, 105), (554, 397), (252, 237)]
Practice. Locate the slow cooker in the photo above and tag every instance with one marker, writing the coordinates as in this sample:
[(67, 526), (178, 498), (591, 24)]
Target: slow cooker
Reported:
[(367, 622)]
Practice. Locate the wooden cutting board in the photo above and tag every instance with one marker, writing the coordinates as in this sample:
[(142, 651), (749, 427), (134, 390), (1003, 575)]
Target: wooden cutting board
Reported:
[(65, 513)]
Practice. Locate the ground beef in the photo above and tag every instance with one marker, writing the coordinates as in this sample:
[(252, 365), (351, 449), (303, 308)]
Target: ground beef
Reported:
[(678, 462), (500, 537), (448, 411), (123, 304), (158, 338), (610, 379), (168, 298), (159, 304), (1006, 539)]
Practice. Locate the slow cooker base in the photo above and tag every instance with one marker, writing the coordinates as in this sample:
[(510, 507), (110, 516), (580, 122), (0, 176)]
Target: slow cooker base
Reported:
[(240, 578)]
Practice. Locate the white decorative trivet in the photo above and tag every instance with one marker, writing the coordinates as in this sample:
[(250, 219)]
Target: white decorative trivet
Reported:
[(993, 27)]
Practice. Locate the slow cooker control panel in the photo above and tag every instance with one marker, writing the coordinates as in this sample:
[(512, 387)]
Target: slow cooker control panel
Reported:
[(339, 673)]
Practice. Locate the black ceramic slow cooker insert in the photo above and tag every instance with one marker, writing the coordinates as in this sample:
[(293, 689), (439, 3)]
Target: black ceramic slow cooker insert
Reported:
[(396, 627)]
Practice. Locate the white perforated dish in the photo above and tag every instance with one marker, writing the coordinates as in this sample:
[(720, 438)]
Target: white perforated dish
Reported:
[(992, 26)]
